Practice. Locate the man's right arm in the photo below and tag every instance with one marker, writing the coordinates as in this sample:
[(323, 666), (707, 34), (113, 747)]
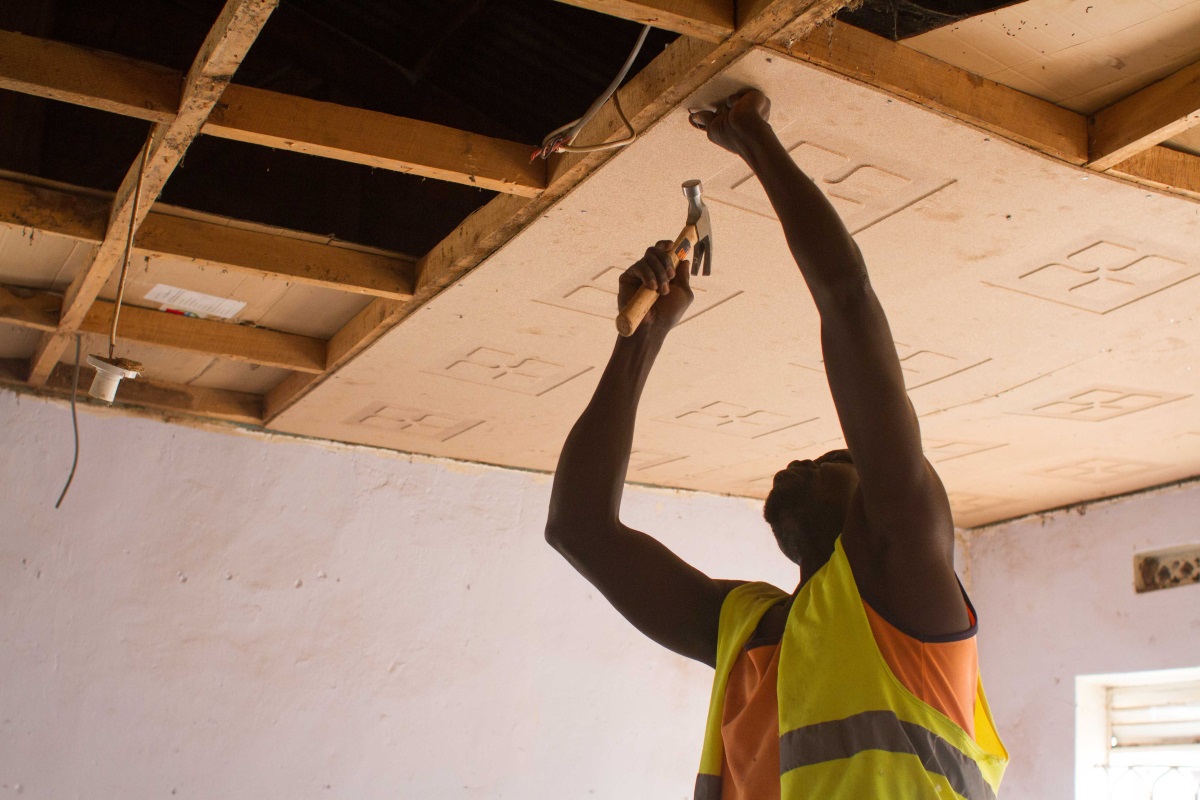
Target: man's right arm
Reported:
[(670, 601)]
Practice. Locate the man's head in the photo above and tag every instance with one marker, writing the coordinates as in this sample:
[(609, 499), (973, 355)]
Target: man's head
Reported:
[(807, 506)]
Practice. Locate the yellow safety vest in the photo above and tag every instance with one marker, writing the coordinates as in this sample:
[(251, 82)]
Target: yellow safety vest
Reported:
[(849, 730)]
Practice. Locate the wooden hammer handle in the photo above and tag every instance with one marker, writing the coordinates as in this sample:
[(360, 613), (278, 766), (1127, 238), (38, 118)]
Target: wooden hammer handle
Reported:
[(635, 310)]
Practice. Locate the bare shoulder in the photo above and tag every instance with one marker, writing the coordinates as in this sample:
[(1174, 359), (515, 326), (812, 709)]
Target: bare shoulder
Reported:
[(909, 575)]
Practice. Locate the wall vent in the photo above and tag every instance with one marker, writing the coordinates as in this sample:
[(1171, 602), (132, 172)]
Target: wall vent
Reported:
[(1166, 569)]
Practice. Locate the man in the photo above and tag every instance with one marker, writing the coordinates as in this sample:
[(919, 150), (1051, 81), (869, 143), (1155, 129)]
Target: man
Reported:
[(863, 683)]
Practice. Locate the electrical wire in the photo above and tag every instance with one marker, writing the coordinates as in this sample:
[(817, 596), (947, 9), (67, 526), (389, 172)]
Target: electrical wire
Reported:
[(137, 197), (74, 420), (562, 139)]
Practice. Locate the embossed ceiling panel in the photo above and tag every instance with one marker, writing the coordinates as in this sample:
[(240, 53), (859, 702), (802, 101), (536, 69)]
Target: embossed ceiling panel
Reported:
[(1046, 318)]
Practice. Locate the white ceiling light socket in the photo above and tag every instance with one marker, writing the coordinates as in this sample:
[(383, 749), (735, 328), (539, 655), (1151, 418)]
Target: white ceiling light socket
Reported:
[(109, 372)]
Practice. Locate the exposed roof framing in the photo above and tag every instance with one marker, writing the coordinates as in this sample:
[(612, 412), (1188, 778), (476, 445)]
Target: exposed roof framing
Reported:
[(710, 20), (235, 30), (1122, 140), (217, 243), (139, 89), (171, 398), (1145, 119)]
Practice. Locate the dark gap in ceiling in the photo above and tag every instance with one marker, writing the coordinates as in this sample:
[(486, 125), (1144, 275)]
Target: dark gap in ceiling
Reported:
[(76, 145), (319, 195), (902, 19), (513, 69)]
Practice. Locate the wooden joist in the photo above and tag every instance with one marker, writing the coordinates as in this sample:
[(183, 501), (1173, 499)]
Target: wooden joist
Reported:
[(1163, 168), (139, 89), (39, 310), (1145, 118), (212, 242), (886, 65), (378, 140), (710, 20), (235, 30), (683, 67), (92, 78), (171, 398)]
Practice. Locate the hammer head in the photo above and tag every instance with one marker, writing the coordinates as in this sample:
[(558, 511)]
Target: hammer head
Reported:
[(698, 216)]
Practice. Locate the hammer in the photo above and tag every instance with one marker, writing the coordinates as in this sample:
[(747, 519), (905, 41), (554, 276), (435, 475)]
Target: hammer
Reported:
[(695, 240)]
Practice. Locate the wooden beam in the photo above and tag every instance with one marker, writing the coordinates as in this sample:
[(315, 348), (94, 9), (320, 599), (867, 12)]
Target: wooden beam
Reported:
[(1163, 168), (29, 308), (139, 89), (172, 398), (683, 67), (378, 140), (710, 20), (275, 256), (217, 243), (243, 343), (74, 215), (235, 30), (39, 310), (901, 71), (1145, 118), (91, 78)]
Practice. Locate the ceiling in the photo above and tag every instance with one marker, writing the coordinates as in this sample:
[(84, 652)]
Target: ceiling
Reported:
[(1045, 314)]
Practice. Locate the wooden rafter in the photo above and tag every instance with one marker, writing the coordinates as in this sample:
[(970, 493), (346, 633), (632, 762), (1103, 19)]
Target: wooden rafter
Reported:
[(91, 78), (235, 30), (122, 85), (684, 66), (710, 20), (1145, 118), (378, 140), (886, 65), (172, 398), (1163, 168), (212, 242), (39, 310)]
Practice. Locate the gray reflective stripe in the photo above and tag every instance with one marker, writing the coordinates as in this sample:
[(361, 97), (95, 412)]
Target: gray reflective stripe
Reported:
[(708, 787), (883, 730)]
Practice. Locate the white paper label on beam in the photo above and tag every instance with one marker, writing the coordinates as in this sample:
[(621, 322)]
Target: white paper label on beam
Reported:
[(173, 298)]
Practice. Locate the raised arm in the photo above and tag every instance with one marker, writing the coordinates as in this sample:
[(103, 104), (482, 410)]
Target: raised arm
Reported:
[(906, 543), (673, 603)]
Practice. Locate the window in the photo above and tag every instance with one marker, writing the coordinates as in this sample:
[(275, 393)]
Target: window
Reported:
[(1138, 736)]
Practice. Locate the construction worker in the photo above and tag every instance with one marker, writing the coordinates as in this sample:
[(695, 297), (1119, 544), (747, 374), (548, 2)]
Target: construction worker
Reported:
[(864, 681)]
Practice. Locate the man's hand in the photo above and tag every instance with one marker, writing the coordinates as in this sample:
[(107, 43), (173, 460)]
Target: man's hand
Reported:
[(654, 271), (734, 123)]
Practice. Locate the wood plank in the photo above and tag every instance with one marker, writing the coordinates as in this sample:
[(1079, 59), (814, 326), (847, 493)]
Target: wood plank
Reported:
[(220, 243), (378, 140), (39, 310), (684, 66), (1163, 168), (235, 30), (113, 83), (91, 78), (901, 71), (72, 214), (30, 308), (1145, 118), (710, 20), (172, 398), (243, 343), (260, 253)]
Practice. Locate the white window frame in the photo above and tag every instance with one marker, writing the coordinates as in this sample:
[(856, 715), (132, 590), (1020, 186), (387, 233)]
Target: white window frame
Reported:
[(1094, 754)]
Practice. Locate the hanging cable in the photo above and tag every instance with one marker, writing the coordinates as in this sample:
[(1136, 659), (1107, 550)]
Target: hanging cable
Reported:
[(74, 420), (137, 197), (562, 139)]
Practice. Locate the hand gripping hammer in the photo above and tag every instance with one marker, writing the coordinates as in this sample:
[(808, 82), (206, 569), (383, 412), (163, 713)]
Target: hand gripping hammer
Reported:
[(695, 241)]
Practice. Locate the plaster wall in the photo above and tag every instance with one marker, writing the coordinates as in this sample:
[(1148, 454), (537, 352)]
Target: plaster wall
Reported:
[(1055, 598), (217, 615)]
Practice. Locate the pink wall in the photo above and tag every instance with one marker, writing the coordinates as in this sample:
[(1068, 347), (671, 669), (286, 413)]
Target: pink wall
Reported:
[(215, 615), (1055, 599)]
